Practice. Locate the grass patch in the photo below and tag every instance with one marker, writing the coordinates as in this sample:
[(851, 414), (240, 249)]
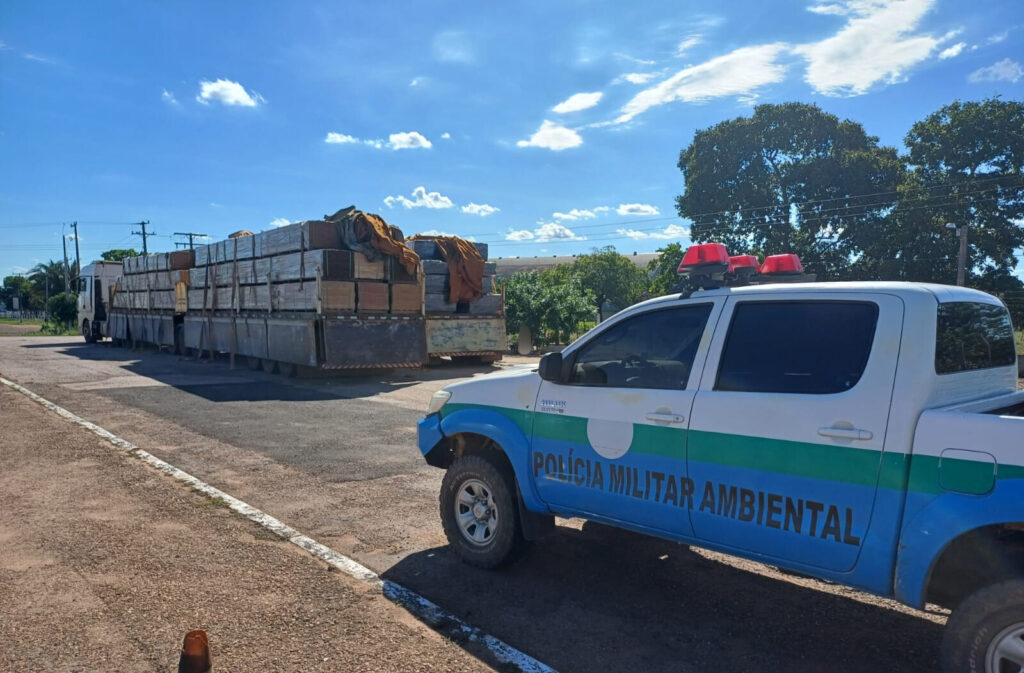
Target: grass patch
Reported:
[(1020, 342), (15, 321)]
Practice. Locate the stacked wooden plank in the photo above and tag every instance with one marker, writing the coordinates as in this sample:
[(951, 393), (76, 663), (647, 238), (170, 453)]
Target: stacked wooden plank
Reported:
[(148, 281), (299, 267), (437, 284)]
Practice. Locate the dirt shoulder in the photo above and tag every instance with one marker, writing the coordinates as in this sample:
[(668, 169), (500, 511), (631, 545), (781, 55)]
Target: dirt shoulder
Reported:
[(14, 329), (105, 564)]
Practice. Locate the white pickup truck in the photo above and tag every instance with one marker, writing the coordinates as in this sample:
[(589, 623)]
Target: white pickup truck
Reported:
[(869, 434)]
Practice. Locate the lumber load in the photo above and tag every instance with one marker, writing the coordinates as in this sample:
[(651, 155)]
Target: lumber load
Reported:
[(335, 296), (162, 261), (290, 267)]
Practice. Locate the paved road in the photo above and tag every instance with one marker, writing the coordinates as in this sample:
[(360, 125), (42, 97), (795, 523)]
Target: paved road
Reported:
[(337, 460)]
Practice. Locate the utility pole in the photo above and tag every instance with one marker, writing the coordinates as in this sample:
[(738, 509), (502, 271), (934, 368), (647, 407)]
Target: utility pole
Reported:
[(191, 239), (961, 263), (78, 259), (67, 270), (144, 235)]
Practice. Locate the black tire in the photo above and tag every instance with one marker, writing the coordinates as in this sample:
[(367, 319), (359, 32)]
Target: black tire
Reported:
[(286, 369), (987, 618), (87, 334), (253, 362), (269, 366), (179, 340), (500, 536)]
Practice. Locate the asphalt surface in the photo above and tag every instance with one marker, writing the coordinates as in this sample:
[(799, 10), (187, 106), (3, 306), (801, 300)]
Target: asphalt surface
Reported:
[(337, 459)]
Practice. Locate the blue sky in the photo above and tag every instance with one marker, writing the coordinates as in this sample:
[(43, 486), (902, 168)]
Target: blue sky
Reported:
[(540, 127)]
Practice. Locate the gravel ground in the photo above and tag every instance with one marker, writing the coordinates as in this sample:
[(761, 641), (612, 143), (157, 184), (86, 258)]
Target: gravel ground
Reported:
[(105, 564)]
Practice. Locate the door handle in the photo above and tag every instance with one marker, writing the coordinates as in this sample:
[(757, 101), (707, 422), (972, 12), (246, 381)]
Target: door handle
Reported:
[(846, 433), (664, 418)]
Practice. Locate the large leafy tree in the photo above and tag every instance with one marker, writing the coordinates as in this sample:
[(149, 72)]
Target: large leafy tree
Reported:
[(663, 269), (790, 178), (22, 288), (968, 165), (610, 278), (118, 254)]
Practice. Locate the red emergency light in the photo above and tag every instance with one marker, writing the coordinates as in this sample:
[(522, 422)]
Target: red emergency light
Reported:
[(739, 262), (782, 265), (704, 253)]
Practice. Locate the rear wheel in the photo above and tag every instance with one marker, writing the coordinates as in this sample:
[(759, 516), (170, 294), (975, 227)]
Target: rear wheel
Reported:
[(87, 334), (985, 634), (478, 511), (269, 366)]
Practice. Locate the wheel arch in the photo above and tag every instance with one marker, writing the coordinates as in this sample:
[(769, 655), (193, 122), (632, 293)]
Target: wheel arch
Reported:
[(488, 432)]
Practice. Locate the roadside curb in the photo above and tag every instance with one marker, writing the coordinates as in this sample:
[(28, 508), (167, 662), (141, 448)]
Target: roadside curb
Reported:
[(422, 608)]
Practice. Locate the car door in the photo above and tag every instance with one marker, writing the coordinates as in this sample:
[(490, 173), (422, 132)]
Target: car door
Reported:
[(609, 440), (788, 427)]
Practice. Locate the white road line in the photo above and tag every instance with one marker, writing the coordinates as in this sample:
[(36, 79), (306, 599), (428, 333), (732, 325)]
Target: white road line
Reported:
[(425, 610)]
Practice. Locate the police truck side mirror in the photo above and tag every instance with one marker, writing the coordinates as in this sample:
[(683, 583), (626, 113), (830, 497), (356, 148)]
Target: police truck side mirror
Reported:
[(550, 368)]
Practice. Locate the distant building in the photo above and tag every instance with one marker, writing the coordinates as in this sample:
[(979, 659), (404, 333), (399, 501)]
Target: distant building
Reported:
[(506, 266)]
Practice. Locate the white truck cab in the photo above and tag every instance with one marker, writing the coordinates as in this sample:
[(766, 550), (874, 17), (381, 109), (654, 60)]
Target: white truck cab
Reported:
[(95, 290)]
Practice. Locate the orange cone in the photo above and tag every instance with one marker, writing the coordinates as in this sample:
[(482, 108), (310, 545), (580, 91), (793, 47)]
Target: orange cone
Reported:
[(195, 653)]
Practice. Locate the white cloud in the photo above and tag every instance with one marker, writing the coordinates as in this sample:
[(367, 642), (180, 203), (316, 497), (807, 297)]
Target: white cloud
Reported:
[(671, 231), (519, 235), (875, 45), (837, 10), (169, 98), (951, 52), (601, 209), (214, 204), (996, 39), (481, 209), (37, 58), (408, 141), (339, 138), (416, 81), (1003, 71), (228, 93), (736, 73), (637, 209), (279, 222), (632, 59), (72, 237), (577, 214), (690, 42), (553, 136), (421, 199), (396, 141), (453, 46), (577, 102), (637, 77), (553, 231), (446, 135), (435, 232)]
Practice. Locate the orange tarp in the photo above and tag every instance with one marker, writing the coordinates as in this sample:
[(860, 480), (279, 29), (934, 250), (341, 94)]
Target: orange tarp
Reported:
[(465, 267), (360, 230)]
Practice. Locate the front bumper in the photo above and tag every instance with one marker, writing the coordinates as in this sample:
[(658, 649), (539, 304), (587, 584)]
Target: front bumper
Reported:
[(428, 433)]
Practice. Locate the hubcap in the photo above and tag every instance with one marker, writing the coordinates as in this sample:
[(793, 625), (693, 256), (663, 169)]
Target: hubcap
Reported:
[(1006, 653), (476, 513)]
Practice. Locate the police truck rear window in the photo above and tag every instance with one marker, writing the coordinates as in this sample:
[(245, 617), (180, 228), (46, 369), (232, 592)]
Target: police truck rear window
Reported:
[(797, 347), (971, 336)]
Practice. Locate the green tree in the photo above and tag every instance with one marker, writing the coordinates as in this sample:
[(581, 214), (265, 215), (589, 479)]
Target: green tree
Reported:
[(565, 305), (523, 305), (51, 273), (610, 278), (21, 287), (790, 178), (663, 269), (63, 308), (968, 161), (118, 254)]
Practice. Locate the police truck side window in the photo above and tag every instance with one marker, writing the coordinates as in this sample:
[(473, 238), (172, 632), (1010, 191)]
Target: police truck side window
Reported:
[(652, 350), (798, 347)]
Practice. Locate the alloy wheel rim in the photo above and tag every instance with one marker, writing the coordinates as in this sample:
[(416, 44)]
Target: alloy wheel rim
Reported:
[(476, 513)]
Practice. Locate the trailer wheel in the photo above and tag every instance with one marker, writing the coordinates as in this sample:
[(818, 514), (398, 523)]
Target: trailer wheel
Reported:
[(985, 634), (269, 366), (179, 340), (286, 369), (253, 363), (478, 512), (90, 338)]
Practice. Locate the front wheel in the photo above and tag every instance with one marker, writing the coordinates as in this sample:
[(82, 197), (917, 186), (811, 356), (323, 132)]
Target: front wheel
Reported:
[(90, 338), (478, 512), (985, 634)]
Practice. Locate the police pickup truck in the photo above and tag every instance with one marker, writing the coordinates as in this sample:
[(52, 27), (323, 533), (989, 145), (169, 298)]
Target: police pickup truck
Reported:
[(867, 433)]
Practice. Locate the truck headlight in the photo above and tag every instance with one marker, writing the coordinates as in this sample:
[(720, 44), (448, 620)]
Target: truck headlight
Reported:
[(438, 400)]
